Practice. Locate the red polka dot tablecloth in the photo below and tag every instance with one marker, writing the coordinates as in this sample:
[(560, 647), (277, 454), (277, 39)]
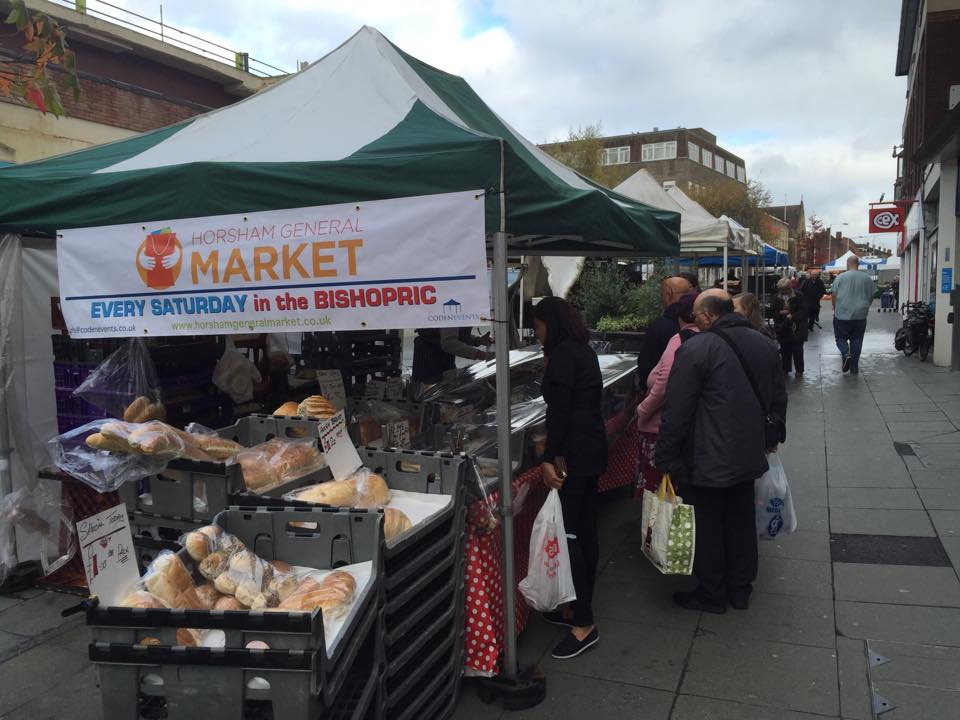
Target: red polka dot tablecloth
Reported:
[(483, 606)]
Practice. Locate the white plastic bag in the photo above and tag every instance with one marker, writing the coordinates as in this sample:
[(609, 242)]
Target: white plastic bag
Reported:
[(549, 580), (236, 375), (775, 513)]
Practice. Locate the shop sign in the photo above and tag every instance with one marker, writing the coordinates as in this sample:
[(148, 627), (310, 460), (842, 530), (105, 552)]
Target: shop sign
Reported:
[(385, 264), (884, 220), (109, 558)]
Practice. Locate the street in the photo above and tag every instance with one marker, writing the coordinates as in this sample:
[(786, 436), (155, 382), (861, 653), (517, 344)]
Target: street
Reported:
[(871, 572)]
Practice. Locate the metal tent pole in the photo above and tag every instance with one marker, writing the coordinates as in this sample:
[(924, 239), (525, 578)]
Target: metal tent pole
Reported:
[(723, 280)]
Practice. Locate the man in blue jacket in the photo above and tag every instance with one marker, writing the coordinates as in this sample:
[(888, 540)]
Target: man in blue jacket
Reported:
[(713, 444)]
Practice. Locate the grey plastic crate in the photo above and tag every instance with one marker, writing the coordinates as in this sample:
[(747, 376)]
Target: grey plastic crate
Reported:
[(174, 490), (438, 677), (209, 684)]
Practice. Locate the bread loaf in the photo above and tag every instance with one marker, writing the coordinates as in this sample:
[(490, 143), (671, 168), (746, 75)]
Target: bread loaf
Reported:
[(339, 493), (208, 595), (333, 595), (156, 438), (258, 474), (216, 447), (288, 409), (371, 489), (136, 410), (142, 599), (188, 636), (394, 523), (316, 406), (170, 581), (292, 460)]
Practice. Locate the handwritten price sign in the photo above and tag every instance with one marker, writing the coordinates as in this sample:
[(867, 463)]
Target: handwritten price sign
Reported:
[(337, 447), (109, 560)]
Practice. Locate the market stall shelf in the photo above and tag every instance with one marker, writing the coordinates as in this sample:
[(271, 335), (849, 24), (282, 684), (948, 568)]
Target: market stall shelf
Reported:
[(297, 672)]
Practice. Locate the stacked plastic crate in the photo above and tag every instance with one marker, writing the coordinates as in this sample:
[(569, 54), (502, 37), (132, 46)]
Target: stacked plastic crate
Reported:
[(424, 576), (188, 494), (300, 676)]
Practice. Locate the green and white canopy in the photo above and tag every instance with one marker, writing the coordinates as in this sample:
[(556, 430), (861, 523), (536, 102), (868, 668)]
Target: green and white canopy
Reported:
[(366, 122)]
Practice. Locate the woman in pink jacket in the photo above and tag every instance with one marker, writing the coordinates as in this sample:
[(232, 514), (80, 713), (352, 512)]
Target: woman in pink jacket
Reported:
[(648, 411)]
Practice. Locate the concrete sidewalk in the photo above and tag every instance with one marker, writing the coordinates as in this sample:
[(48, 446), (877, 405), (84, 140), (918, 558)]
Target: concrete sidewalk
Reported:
[(872, 571)]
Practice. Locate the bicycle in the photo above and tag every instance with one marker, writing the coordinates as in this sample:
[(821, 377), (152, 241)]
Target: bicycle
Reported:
[(916, 334)]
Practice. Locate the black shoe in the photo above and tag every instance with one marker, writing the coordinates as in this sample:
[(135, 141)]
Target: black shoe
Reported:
[(556, 618), (739, 603), (570, 647), (847, 361), (692, 601)]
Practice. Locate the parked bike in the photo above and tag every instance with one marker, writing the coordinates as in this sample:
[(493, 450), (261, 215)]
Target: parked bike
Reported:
[(916, 334)]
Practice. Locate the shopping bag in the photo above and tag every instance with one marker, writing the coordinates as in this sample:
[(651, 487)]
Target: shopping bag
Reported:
[(669, 530), (774, 505), (549, 581)]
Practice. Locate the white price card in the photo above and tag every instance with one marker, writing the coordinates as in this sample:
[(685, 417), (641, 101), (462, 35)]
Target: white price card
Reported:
[(375, 389), (398, 434), (109, 559), (331, 387), (394, 389), (338, 448)]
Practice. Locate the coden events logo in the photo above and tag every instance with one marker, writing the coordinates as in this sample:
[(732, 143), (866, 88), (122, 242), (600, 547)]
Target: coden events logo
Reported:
[(453, 310), (159, 259)]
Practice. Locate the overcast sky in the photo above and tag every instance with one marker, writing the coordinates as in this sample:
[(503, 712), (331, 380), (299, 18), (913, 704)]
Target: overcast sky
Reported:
[(805, 91)]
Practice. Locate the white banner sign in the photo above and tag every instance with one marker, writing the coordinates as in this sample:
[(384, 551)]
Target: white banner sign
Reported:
[(405, 263)]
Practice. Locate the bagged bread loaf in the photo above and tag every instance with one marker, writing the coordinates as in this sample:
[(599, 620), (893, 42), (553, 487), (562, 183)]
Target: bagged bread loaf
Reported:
[(156, 438), (333, 595), (269, 464), (316, 406), (363, 489), (143, 410), (208, 595), (142, 599), (169, 580), (371, 489)]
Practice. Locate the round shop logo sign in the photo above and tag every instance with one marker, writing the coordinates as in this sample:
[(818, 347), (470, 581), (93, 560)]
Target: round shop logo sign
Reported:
[(886, 219), (159, 259)]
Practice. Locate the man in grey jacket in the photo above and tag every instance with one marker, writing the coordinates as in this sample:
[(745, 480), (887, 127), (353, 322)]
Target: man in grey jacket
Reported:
[(712, 442)]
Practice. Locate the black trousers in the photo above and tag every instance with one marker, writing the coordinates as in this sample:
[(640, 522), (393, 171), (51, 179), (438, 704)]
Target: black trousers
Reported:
[(814, 313), (578, 497), (726, 554), (791, 354)]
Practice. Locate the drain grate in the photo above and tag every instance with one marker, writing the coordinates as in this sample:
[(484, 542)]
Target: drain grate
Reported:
[(888, 550)]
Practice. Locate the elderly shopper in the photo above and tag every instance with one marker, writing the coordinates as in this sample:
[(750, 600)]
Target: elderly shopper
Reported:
[(790, 323), (648, 411), (713, 443), (851, 295), (662, 328)]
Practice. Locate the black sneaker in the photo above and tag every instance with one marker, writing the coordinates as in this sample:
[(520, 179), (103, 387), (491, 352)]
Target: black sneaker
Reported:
[(556, 618), (847, 361), (692, 601), (570, 647), (739, 603)]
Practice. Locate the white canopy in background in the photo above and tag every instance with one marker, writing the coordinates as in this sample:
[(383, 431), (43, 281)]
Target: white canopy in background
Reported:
[(840, 264)]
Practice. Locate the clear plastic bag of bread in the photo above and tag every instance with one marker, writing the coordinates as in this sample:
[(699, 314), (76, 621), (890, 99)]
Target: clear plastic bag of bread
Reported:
[(127, 375), (147, 600), (232, 571), (100, 455), (268, 465), (333, 595), (363, 489)]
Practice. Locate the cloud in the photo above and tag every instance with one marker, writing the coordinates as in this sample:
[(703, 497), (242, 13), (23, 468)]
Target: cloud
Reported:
[(804, 92)]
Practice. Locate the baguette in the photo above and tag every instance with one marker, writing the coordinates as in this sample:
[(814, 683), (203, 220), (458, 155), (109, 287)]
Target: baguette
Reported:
[(110, 443)]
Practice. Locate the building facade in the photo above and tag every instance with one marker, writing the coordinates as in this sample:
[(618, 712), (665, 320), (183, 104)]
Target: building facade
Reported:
[(928, 55), (130, 83), (795, 218), (687, 157)]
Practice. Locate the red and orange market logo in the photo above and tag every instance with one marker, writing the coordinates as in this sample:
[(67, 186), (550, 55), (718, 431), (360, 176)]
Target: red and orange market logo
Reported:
[(159, 259)]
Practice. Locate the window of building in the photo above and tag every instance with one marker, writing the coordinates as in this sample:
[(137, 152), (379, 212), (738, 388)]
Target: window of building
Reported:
[(659, 151), (741, 174), (718, 164), (707, 158), (693, 151), (731, 169), (616, 155), (667, 184)]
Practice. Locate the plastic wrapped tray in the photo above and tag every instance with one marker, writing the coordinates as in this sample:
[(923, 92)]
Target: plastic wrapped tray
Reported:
[(213, 683)]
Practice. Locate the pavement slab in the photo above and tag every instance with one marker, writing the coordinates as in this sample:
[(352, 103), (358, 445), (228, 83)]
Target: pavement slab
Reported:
[(801, 545), (692, 707), (947, 522), (585, 697), (39, 671), (801, 578), (792, 677), (898, 623), (779, 618), (914, 523), (897, 584), (941, 498), (912, 702), (854, 678), (879, 498)]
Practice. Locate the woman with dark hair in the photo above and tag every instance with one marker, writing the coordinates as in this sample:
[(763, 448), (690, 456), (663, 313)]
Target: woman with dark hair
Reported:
[(748, 305), (574, 458)]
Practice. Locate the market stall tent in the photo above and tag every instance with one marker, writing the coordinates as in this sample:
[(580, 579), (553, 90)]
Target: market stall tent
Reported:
[(366, 122), (840, 264)]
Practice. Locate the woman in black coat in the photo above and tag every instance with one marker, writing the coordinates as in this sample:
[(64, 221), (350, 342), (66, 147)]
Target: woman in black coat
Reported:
[(574, 458), (790, 321)]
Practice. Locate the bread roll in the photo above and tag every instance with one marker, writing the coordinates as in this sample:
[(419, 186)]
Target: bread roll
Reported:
[(372, 490), (136, 409), (394, 523), (99, 441), (248, 593), (149, 641), (200, 543), (156, 438), (282, 587), (339, 493), (281, 566), (228, 603), (208, 595), (341, 579), (288, 409), (226, 583), (188, 636), (214, 564), (216, 447)]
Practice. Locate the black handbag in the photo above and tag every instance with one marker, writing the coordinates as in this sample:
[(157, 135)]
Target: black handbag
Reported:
[(774, 426)]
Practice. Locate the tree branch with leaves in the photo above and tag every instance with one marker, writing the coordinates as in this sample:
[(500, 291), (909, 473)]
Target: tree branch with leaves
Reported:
[(34, 81)]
